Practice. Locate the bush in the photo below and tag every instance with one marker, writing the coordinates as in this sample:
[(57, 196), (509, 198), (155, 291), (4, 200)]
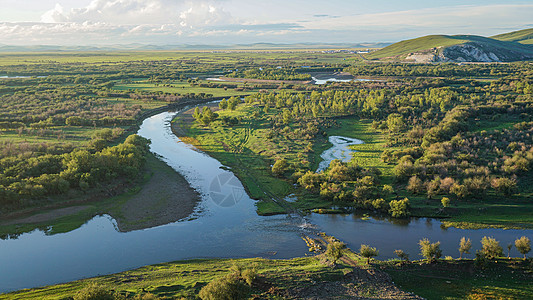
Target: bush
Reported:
[(94, 292), (229, 287)]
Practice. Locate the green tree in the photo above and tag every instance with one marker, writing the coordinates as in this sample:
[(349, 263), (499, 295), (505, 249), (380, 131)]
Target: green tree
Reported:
[(402, 255), (368, 252), (491, 248), (464, 246), (431, 251), (523, 245), (399, 208), (280, 167), (445, 202), (334, 251)]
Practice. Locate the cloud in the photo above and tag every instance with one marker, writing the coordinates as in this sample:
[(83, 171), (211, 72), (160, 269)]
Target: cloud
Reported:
[(186, 21), (204, 14), (115, 12)]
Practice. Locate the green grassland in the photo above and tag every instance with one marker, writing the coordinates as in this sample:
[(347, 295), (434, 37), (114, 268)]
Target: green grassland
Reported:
[(460, 279), (522, 36), (278, 279), (414, 45), (260, 57), (184, 279)]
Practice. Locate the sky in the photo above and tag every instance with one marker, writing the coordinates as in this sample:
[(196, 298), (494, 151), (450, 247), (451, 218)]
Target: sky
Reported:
[(210, 22)]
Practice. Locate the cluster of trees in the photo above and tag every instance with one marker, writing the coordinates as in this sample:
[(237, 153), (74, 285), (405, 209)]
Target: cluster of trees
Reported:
[(23, 179), (205, 116), (271, 74), (490, 249), (439, 70)]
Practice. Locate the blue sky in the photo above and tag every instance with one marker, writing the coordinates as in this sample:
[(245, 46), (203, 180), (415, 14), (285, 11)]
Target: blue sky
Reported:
[(100, 22)]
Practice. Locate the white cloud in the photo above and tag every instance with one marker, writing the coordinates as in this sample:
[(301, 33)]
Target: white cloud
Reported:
[(209, 21), (204, 14)]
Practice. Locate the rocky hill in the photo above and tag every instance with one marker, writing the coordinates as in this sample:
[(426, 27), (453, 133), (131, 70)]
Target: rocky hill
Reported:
[(514, 46)]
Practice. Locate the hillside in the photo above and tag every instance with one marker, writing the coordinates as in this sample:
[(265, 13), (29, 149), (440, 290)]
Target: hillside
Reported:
[(522, 36), (512, 46)]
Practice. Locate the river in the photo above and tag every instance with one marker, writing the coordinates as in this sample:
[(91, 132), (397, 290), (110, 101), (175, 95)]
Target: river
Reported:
[(225, 225)]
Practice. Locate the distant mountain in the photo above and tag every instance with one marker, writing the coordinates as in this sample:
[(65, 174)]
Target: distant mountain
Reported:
[(513, 46), (144, 47)]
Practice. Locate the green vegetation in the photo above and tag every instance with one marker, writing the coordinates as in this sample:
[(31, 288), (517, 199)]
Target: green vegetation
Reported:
[(460, 279), (524, 36), (206, 278), (415, 45)]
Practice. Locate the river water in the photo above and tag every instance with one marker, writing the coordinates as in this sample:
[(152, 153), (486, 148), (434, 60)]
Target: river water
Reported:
[(225, 225)]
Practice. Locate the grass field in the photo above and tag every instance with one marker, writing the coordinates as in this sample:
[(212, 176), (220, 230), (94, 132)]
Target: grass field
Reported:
[(199, 57), (460, 279)]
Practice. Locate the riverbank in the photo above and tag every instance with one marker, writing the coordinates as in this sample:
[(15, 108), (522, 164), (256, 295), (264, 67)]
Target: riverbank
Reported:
[(300, 278), (315, 278), (159, 196)]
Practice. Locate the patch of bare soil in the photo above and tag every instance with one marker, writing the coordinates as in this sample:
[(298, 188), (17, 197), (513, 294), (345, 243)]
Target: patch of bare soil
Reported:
[(166, 198)]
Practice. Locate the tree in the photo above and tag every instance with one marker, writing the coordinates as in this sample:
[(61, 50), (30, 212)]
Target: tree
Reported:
[(431, 251), (523, 245), (280, 166), (402, 255), (399, 208), (464, 246), (334, 251), (504, 186), (368, 252), (491, 248), (445, 202), (415, 185)]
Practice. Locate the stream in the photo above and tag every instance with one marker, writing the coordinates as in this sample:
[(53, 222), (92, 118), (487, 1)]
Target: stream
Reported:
[(225, 225)]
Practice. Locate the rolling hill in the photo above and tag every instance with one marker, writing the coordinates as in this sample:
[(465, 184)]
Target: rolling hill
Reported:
[(513, 46), (522, 36)]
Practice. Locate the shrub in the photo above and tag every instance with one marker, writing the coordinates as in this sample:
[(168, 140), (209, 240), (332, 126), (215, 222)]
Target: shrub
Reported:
[(94, 292), (445, 201), (229, 287)]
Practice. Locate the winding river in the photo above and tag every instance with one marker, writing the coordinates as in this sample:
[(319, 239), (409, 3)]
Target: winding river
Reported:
[(225, 225)]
